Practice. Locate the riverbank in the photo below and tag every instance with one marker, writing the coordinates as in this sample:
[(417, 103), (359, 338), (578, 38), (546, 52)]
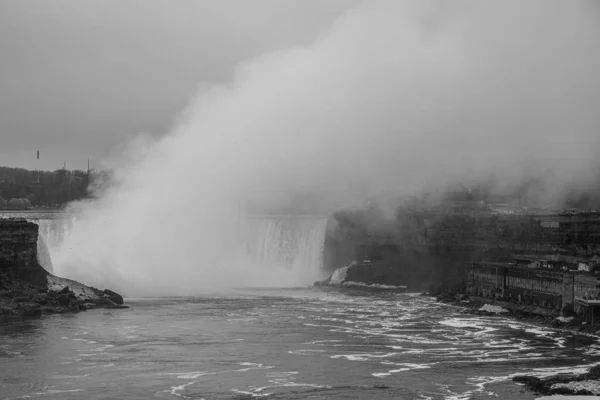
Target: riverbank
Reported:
[(585, 384), (547, 317)]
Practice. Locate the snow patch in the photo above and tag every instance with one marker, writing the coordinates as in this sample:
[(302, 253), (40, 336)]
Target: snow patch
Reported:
[(566, 320), (590, 386), (493, 309), (80, 290)]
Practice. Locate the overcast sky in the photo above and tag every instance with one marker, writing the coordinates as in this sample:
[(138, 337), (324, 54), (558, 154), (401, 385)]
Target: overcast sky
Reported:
[(79, 78)]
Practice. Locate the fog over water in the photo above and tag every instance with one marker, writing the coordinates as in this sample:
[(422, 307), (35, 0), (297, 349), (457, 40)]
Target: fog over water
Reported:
[(395, 98)]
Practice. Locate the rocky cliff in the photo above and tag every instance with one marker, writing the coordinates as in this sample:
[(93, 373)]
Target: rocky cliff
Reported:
[(426, 249), (27, 289)]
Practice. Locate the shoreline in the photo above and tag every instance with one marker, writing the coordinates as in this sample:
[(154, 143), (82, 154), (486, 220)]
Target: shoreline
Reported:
[(573, 384), (546, 317)]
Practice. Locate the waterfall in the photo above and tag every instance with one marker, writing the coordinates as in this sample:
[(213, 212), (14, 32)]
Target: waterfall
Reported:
[(51, 234), (43, 254), (262, 251), (289, 242), (53, 230)]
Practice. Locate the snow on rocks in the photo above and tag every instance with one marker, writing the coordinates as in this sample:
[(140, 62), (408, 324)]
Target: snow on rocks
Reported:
[(493, 309), (591, 386), (565, 320)]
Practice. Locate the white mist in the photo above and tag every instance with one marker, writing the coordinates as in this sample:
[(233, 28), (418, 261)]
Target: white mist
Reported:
[(396, 97)]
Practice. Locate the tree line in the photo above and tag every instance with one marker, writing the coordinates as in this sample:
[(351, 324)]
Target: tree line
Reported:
[(22, 188)]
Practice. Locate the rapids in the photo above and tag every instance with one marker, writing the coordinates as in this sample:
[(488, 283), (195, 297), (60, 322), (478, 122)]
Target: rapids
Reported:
[(282, 344)]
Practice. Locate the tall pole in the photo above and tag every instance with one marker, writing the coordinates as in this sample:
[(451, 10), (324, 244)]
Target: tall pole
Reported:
[(38, 169)]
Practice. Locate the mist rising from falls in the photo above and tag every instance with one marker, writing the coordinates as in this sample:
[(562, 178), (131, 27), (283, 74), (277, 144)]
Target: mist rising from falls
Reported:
[(398, 97)]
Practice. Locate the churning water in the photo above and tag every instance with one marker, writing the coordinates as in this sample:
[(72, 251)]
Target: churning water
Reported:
[(281, 344)]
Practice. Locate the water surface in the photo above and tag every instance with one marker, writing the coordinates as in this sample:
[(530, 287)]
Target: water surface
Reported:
[(281, 344)]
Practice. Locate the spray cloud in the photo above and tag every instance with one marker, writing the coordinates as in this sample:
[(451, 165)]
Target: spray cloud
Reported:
[(396, 97)]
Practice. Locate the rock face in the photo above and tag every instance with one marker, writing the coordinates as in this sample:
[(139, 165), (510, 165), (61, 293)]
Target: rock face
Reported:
[(429, 244), (27, 289), (18, 251)]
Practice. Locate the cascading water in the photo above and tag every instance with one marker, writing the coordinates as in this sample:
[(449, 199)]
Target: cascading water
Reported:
[(43, 254), (52, 232), (275, 250), (288, 241)]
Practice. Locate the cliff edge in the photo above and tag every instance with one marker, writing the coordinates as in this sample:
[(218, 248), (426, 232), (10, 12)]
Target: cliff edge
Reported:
[(27, 289)]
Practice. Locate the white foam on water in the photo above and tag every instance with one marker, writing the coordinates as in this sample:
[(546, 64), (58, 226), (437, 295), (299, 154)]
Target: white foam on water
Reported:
[(4, 348), (305, 352), (458, 322), (51, 392), (71, 376), (176, 389), (568, 397), (372, 286), (541, 332), (406, 367), (325, 342), (197, 374), (363, 356), (252, 393), (281, 374), (278, 380), (101, 349)]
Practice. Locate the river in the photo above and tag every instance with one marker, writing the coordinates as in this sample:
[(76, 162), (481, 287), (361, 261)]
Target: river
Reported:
[(299, 343)]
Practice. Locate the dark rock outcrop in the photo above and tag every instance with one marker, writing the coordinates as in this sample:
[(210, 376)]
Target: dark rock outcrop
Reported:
[(27, 289), (565, 384)]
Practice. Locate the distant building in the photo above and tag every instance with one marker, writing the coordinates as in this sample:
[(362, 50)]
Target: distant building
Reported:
[(587, 265), (539, 264), (7, 179), (550, 224)]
